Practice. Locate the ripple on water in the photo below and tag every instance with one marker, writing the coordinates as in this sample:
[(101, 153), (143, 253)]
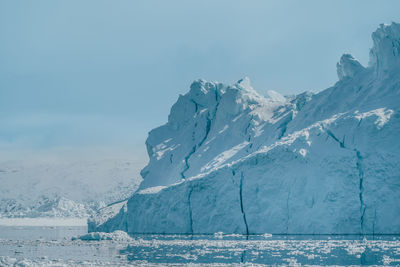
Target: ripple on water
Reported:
[(54, 246)]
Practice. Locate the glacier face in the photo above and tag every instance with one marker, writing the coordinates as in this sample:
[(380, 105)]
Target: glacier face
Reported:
[(231, 160)]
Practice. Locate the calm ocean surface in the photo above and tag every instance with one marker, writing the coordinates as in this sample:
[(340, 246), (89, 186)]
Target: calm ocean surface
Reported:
[(52, 246)]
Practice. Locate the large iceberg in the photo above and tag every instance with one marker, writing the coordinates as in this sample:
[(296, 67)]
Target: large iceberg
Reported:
[(231, 160)]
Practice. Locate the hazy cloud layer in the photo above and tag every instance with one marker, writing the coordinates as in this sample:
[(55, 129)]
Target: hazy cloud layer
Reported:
[(91, 73)]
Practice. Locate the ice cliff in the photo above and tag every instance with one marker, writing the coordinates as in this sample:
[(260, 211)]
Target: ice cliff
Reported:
[(231, 160)]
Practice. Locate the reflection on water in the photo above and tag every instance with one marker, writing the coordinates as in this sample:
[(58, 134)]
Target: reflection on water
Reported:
[(53, 245), (41, 232)]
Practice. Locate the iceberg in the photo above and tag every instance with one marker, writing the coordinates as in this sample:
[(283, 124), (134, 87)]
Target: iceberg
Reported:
[(231, 160)]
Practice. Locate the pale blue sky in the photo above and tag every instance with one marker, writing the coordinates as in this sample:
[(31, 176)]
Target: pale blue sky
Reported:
[(104, 73)]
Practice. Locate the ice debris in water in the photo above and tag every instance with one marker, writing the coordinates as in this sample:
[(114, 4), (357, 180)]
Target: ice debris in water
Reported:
[(98, 236)]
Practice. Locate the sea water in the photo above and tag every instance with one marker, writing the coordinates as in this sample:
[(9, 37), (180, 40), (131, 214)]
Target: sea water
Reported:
[(41, 246)]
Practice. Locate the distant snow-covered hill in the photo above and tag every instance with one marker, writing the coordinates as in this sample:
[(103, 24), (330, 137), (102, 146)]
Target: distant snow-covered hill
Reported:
[(66, 186), (231, 160)]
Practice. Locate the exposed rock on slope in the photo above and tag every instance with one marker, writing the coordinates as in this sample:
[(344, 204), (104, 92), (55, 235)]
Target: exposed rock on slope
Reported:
[(231, 160)]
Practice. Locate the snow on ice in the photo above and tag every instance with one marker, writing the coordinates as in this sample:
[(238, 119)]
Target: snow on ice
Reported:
[(231, 160)]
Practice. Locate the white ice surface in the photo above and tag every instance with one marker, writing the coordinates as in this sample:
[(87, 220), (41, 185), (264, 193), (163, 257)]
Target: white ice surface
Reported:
[(309, 164), (71, 183)]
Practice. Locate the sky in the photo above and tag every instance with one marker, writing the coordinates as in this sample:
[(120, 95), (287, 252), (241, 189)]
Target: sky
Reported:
[(94, 73)]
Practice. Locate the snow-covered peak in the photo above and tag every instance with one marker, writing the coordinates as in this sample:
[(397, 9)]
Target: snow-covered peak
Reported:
[(348, 66), (201, 89), (199, 124), (385, 53), (203, 93), (245, 84), (275, 96)]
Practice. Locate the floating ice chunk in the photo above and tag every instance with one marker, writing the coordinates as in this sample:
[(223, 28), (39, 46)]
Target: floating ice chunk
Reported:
[(98, 236), (267, 235), (303, 152), (253, 176), (219, 235)]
